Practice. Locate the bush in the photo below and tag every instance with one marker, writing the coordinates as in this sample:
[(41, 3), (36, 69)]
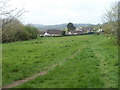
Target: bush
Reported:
[(22, 35), (8, 36), (63, 33), (33, 32), (9, 30), (16, 31)]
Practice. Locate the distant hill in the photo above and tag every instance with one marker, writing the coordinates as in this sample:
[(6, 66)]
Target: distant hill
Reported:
[(59, 26)]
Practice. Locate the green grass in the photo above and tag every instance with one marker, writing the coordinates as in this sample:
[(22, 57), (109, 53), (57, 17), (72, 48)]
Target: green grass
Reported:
[(95, 64)]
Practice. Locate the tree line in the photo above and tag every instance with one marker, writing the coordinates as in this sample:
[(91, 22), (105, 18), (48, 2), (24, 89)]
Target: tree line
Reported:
[(11, 28), (16, 31)]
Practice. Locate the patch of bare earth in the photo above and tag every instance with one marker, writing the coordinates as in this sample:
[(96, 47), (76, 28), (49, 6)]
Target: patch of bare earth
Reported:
[(24, 80), (19, 82)]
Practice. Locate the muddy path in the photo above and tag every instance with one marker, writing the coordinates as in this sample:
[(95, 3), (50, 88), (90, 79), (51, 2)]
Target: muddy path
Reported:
[(19, 82)]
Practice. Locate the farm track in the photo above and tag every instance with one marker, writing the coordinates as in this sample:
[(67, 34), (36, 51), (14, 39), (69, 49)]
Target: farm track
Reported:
[(19, 82), (103, 68)]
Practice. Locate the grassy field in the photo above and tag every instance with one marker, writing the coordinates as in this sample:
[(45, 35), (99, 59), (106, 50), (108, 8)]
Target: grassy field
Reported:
[(86, 61)]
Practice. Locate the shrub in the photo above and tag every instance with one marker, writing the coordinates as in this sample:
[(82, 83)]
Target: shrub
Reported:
[(9, 30), (16, 31), (63, 33), (8, 36), (33, 32), (22, 35)]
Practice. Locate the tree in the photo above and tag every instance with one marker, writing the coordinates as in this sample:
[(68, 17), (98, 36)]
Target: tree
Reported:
[(70, 26), (7, 15), (10, 29), (111, 15), (111, 20), (9, 19)]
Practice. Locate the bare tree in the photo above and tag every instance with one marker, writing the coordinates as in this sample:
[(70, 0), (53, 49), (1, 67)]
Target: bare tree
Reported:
[(111, 15), (111, 20), (9, 21), (9, 15)]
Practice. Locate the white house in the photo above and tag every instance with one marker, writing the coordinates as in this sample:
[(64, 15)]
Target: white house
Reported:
[(46, 34), (79, 29), (100, 30), (74, 32)]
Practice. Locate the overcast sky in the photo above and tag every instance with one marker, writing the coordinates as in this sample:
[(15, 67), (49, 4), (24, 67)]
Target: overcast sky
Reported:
[(51, 12)]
